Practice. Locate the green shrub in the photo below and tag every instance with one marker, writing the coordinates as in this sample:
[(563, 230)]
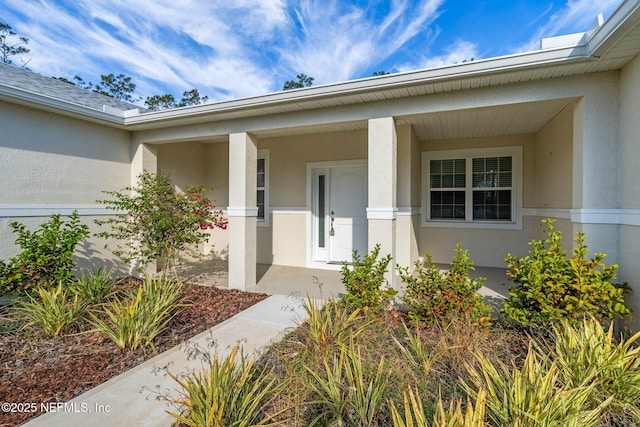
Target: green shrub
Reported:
[(364, 280), (96, 287), (552, 287), (54, 311), (153, 221), (436, 296), (141, 316), (230, 393), (46, 256)]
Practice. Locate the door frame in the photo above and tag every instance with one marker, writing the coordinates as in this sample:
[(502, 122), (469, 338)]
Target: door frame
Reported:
[(313, 170)]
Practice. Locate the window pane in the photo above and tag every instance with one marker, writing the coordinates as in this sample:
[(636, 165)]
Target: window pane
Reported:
[(448, 173), (260, 180), (492, 172), (447, 205), (261, 166), (321, 210), (492, 205), (260, 197)]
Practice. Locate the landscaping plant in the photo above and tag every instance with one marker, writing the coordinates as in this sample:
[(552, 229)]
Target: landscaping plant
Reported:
[(437, 296), (95, 288), (230, 393), (154, 221), (587, 353), (365, 282), (328, 327), (46, 256), (345, 394), (550, 286), (54, 311), (141, 316)]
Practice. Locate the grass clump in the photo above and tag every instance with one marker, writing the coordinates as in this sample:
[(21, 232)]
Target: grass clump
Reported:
[(54, 311), (230, 393), (95, 288), (141, 316)]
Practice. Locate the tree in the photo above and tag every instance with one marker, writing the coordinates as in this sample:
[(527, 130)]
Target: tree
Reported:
[(153, 221), (119, 87), (380, 73), (9, 46), (163, 102), (303, 81), (77, 81)]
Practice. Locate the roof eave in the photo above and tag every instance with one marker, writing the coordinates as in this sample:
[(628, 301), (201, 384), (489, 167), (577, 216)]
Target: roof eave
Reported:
[(35, 100)]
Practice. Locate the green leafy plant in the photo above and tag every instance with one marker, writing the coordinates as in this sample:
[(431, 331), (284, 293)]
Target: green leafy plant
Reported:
[(346, 394), (153, 221), (436, 296), (551, 286), (96, 287), (587, 353), (55, 311), (230, 393), (141, 316), (364, 281), (46, 256)]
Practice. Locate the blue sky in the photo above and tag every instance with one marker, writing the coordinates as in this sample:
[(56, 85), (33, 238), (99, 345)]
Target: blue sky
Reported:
[(239, 48)]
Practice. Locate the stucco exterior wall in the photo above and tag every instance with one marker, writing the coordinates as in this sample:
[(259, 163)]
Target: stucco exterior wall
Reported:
[(185, 162), (553, 162), (51, 163), (47, 159), (629, 235)]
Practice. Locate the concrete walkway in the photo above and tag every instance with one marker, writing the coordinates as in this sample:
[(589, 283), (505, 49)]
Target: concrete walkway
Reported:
[(131, 399)]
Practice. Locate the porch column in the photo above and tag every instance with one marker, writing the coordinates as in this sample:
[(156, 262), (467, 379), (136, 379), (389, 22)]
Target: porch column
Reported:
[(382, 183), (242, 210), (144, 157)]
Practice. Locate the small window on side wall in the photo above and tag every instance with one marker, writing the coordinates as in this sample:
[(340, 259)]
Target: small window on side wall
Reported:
[(262, 187)]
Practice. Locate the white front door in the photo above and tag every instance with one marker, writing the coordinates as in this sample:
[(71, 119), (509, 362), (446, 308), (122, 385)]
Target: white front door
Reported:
[(339, 206), (347, 212)]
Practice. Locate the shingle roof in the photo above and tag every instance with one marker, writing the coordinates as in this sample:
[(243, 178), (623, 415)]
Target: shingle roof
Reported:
[(50, 87)]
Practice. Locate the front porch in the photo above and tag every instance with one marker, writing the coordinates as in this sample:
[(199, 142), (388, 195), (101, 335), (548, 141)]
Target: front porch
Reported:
[(317, 283)]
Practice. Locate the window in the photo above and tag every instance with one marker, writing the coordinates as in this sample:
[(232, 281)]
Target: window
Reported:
[(262, 187), (472, 187)]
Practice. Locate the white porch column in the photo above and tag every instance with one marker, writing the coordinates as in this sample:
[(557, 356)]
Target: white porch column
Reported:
[(382, 175), (242, 210), (144, 157)]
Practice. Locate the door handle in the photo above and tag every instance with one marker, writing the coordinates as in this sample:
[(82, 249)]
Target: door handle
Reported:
[(331, 231)]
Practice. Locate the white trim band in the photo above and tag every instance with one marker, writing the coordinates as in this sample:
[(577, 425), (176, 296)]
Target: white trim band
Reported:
[(382, 213), (409, 211), (242, 212), (590, 216), (11, 211)]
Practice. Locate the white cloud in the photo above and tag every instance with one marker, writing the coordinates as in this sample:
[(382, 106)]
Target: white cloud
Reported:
[(460, 51), (576, 16)]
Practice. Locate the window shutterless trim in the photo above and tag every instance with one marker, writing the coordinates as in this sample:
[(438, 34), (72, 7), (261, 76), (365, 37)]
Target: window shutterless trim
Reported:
[(515, 152)]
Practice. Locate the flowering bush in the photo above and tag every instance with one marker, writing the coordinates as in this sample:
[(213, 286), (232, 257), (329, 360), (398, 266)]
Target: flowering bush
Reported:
[(155, 221)]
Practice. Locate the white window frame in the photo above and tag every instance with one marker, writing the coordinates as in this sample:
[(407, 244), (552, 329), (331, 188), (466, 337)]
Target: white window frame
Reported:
[(264, 222), (515, 152)]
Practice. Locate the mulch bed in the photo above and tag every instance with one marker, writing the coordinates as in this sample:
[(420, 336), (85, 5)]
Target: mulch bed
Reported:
[(41, 370)]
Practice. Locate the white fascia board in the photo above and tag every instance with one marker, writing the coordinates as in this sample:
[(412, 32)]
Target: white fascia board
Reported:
[(516, 62), (622, 20), (32, 99)]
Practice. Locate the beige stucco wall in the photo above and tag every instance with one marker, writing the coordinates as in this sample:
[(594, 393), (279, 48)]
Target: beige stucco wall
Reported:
[(55, 162), (629, 235), (289, 156), (553, 158)]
